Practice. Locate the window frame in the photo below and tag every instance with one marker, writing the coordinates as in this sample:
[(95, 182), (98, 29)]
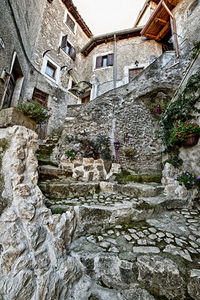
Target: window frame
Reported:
[(47, 60), (65, 22), (52, 67), (69, 45), (72, 28), (100, 59)]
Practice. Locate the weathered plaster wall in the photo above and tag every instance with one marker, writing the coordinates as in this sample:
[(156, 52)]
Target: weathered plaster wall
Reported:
[(52, 29), (16, 32), (128, 51), (188, 27)]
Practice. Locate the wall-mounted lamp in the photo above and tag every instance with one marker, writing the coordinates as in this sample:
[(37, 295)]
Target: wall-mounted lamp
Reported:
[(137, 63)]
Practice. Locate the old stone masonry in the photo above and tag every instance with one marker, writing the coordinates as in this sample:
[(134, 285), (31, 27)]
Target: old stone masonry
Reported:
[(102, 200), (98, 227)]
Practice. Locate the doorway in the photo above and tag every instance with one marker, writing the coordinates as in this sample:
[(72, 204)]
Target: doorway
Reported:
[(14, 85)]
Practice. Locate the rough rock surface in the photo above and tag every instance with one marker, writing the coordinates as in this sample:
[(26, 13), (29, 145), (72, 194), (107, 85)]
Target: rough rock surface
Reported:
[(33, 263)]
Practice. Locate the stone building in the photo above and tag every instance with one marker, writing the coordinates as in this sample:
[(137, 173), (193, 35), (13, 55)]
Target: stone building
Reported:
[(62, 63)]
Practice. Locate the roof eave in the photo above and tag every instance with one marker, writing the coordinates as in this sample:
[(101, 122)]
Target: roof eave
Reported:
[(97, 40)]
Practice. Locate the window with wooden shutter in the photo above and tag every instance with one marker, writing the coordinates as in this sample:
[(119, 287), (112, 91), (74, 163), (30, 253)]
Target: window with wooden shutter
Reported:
[(72, 53), (99, 62), (68, 48), (64, 41), (70, 23), (104, 61), (110, 59)]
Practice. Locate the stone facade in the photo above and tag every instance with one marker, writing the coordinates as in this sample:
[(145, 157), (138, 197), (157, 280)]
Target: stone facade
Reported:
[(188, 27), (128, 52), (19, 21)]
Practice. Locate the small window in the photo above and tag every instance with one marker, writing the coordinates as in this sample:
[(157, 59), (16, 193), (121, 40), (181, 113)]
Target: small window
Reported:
[(68, 48), (70, 23), (192, 7), (40, 97), (104, 61), (50, 70)]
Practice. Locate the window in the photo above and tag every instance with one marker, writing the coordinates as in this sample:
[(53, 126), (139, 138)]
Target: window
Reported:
[(70, 23), (104, 61), (50, 69), (40, 97), (192, 7), (68, 48)]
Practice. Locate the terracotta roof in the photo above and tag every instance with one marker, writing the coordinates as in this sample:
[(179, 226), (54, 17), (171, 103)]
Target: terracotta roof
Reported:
[(74, 12), (159, 23), (109, 37)]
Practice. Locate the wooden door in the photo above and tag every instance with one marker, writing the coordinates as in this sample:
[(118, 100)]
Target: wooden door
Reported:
[(133, 73)]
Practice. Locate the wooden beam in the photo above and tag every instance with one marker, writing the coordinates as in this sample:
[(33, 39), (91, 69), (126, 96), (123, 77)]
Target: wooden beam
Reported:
[(163, 31), (151, 36), (161, 21)]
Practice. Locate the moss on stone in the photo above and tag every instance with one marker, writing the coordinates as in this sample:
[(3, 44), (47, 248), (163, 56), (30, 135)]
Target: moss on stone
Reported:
[(56, 211), (125, 177)]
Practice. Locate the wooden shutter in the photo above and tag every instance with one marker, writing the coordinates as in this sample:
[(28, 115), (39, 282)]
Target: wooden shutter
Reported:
[(73, 53), (110, 59), (64, 41), (99, 62)]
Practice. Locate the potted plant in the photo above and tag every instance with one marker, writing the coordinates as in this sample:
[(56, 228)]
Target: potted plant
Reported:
[(185, 133), (35, 111), (129, 152)]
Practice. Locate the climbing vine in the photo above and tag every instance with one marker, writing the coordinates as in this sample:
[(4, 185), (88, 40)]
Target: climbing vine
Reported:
[(182, 109)]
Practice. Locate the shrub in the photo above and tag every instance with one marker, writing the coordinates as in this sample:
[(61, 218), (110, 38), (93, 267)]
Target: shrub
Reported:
[(35, 111)]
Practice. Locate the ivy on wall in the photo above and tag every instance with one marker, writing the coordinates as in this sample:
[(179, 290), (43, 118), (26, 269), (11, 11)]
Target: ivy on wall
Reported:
[(182, 109)]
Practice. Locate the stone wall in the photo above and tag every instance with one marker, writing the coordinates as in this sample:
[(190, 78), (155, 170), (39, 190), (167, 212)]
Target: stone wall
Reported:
[(189, 155), (123, 114), (19, 21), (53, 28), (188, 28), (128, 51)]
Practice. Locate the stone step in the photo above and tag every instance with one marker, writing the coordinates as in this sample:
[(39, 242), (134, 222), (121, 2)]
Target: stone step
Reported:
[(99, 210), (47, 172), (160, 234), (62, 189), (139, 190)]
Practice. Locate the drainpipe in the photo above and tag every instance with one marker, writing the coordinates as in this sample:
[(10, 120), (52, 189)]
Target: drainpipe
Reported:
[(115, 63), (174, 27)]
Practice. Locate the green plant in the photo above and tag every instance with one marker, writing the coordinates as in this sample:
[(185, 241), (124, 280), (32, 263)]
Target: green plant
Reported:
[(181, 131), (35, 111), (158, 108), (71, 154), (180, 110), (196, 49), (189, 180), (129, 152)]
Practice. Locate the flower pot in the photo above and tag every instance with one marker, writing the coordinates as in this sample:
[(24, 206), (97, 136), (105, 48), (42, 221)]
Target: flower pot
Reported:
[(191, 140), (11, 116)]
